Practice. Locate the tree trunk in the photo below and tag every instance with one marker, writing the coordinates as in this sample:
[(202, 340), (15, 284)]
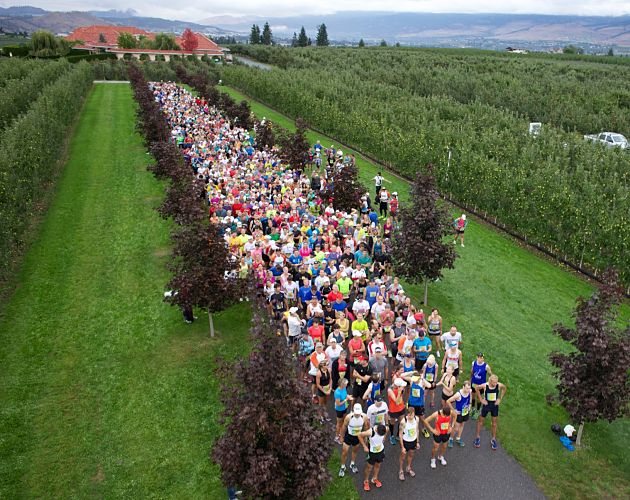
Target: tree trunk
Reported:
[(211, 323), (426, 291), (578, 440)]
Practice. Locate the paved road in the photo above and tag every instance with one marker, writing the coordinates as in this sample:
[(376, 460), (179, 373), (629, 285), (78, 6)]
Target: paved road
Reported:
[(251, 62), (471, 473)]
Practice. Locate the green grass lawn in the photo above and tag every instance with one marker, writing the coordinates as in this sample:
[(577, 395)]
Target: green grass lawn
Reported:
[(504, 300), (104, 391)]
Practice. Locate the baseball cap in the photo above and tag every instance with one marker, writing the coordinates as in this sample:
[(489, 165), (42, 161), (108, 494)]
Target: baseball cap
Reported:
[(400, 383), (378, 399), (357, 408), (293, 310), (378, 349), (480, 355)]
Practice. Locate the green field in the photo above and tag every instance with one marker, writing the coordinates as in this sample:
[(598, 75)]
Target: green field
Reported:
[(105, 392), (504, 300)]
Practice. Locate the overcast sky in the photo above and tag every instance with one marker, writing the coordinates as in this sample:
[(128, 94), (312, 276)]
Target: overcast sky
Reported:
[(191, 10)]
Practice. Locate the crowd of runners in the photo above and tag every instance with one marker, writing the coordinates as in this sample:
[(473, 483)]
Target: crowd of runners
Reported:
[(367, 352)]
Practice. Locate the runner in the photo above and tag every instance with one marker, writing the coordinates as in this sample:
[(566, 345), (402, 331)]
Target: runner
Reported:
[(353, 424), (373, 389), (434, 325), (459, 225), (430, 374), (342, 401), (449, 339), (323, 384), (494, 392), (448, 383), (376, 453), (362, 374), (416, 397), (408, 435), (396, 406), (441, 434), (478, 376), (453, 358), (462, 399), (377, 413), (421, 348)]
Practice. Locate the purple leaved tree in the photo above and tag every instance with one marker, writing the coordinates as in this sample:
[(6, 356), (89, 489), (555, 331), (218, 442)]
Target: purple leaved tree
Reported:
[(593, 380), (274, 445), (202, 270), (345, 189), (418, 248), (294, 146)]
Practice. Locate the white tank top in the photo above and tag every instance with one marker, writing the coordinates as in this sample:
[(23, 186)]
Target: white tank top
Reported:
[(452, 360), (355, 425), (409, 430), (376, 442)]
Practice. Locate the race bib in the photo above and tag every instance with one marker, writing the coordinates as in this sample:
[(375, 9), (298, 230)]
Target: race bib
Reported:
[(380, 418), (412, 433), (491, 396), (428, 377), (415, 392), (444, 426), (354, 431), (326, 387), (465, 410), (378, 448), (358, 381)]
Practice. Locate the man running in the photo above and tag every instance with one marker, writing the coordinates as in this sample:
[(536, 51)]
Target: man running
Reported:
[(354, 423), (416, 397), (462, 400), (493, 394), (377, 413), (376, 454), (441, 434), (459, 225)]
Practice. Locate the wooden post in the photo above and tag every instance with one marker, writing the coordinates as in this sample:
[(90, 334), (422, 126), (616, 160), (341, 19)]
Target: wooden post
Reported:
[(578, 439), (211, 322), (426, 291)]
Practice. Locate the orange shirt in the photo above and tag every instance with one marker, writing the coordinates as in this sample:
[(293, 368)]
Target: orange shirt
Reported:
[(393, 406)]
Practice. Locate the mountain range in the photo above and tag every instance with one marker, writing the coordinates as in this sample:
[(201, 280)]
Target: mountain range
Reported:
[(30, 19), (465, 30), (428, 28)]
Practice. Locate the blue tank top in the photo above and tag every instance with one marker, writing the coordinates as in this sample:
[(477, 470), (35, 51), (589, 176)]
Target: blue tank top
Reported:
[(479, 373), (410, 368), (463, 405), (376, 391), (429, 373), (416, 395)]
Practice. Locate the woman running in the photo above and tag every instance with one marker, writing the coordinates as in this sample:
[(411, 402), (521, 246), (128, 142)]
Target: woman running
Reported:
[(430, 373), (448, 383), (342, 401)]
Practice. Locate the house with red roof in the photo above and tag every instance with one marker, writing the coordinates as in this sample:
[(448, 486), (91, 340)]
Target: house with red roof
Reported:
[(105, 39)]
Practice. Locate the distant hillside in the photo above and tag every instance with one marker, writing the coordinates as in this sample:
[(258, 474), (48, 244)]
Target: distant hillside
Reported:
[(31, 19), (419, 28)]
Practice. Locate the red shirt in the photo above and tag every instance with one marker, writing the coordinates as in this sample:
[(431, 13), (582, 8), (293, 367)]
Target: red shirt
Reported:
[(317, 333), (332, 296)]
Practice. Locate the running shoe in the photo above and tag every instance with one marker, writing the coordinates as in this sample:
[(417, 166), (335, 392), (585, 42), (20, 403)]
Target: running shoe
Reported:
[(425, 433), (401, 475), (493, 444), (366, 485), (342, 471), (450, 442), (354, 468), (433, 466), (460, 442), (328, 419), (463, 245), (377, 483), (411, 472), (443, 460), (477, 442), (337, 440)]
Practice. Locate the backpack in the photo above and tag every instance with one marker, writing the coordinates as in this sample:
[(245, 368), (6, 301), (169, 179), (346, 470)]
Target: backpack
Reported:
[(556, 429)]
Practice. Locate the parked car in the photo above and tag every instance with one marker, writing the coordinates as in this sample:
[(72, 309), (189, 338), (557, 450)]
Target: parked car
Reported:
[(609, 139)]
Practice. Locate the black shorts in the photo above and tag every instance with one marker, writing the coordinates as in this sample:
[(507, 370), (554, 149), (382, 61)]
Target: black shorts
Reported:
[(410, 445), (341, 413), (456, 372), (435, 333), (292, 339), (375, 458), (321, 394), (419, 410), (396, 415), (358, 390), (442, 438), (445, 397), (491, 409), (350, 440), (474, 389), (420, 363), (461, 419)]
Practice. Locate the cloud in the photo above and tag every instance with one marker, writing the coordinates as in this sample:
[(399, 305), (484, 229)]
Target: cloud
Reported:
[(196, 10)]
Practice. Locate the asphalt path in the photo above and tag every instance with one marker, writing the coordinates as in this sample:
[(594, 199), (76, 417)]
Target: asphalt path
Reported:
[(470, 472)]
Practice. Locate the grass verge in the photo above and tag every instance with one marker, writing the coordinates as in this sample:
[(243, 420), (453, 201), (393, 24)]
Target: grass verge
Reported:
[(504, 300)]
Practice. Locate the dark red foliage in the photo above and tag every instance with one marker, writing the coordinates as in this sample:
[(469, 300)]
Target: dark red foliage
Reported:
[(294, 146), (274, 445), (265, 137), (151, 122), (593, 380), (418, 247), (184, 201), (201, 267), (345, 189), (169, 162)]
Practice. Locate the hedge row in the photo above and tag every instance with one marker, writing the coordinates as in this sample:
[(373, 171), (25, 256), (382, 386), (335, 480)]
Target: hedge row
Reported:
[(18, 94), (11, 68), (30, 149)]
